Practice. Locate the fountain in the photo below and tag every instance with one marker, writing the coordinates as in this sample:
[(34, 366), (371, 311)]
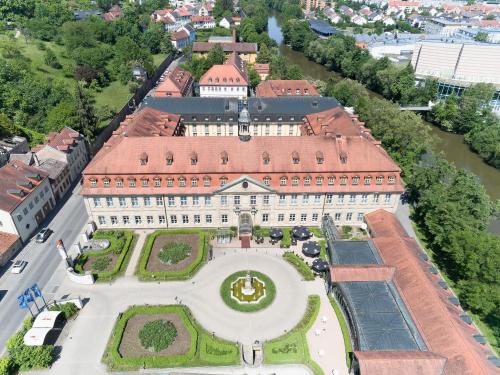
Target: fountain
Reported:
[(248, 289)]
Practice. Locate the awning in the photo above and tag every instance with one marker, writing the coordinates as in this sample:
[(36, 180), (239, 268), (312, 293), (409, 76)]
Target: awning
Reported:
[(36, 336), (46, 319)]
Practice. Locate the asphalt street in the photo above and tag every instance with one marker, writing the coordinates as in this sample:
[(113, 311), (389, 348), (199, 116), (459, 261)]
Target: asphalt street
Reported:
[(44, 263)]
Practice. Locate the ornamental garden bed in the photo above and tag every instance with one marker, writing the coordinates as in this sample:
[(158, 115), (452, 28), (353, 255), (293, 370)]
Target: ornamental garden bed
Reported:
[(108, 264), (164, 336), (173, 254)]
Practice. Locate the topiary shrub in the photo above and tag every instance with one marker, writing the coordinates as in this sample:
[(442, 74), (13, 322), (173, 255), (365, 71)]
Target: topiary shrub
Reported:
[(157, 335), (101, 263), (174, 252)]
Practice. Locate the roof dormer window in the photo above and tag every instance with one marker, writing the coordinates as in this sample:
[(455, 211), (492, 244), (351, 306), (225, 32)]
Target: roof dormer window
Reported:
[(93, 182), (194, 158), (319, 157), (265, 158), (223, 157), (144, 158), (295, 157), (106, 182), (170, 158)]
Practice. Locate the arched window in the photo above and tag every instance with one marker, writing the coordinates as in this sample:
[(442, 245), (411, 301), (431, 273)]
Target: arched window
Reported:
[(170, 182), (267, 180), (283, 181), (319, 180), (295, 181), (182, 181), (307, 181), (331, 180), (194, 182)]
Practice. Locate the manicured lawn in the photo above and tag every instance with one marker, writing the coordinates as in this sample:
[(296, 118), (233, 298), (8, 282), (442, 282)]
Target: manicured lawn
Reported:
[(301, 266), (292, 346), (316, 231), (269, 289), (345, 330), (203, 349), (150, 269), (119, 251)]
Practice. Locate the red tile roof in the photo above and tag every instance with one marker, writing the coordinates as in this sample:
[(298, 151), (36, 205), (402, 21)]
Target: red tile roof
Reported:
[(179, 35), (6, 241), (227, 47), (286, 88), (149, 122), (114, 13), (400, 363), (10, 175), (261, 68), (202, 19), (61, 141), (231, 73), (403, 4), (177, 83), (436, 319)]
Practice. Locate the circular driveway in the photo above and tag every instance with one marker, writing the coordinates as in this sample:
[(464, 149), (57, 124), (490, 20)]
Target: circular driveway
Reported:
[(214, 315)]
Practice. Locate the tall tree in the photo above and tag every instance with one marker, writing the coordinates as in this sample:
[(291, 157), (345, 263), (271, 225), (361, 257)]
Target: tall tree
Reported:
[(85, 112)]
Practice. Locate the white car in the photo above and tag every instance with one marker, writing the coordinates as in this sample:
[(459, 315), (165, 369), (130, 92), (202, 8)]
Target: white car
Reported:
[(18, 266)]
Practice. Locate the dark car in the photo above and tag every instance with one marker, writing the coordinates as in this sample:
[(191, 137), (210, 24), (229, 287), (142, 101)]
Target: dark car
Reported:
[(42, 236)]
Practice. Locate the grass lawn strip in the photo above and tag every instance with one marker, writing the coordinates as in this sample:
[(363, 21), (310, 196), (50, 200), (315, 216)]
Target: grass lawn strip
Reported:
[(113, 261), (150, 267), (344, 328), (225, 292), (292, 346), (301, 266), (202, 349)]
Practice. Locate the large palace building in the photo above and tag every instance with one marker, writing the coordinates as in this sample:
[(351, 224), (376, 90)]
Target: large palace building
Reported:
[(220, 162)]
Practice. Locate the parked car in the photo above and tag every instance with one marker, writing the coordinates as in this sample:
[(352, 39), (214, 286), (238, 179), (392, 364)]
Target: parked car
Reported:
[(18, 266), (42, 236)]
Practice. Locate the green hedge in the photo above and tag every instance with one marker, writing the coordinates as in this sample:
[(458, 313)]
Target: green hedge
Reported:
[(286, 241), (316, 231), (121, 242), (301, 266), (205, 349), (292, 346), (184, 274), (323, 254), (259, 231), (345, 330), (225, 292)]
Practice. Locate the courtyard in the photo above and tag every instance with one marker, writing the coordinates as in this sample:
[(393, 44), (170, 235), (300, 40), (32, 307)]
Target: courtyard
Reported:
[(280, 319)]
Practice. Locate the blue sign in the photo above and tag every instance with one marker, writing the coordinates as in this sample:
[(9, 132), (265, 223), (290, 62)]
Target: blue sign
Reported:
[(36, 290), (27, 296), (22, 302)]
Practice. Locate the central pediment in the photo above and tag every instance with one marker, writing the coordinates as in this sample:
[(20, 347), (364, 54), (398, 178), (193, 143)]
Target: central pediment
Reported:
[(245, 185)]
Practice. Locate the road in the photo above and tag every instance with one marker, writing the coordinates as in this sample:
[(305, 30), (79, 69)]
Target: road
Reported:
[(44, 263)]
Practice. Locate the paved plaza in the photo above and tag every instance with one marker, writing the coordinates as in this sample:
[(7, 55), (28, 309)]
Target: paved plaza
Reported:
[(86, 338)]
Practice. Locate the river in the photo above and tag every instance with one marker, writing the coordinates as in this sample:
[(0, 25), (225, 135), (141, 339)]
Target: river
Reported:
[(451, 145)]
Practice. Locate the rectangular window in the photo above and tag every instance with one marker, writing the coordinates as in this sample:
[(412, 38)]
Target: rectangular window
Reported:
[(135, 202), (161, 219), (144, 182), (114, 220), (208, 201), (364, 198), (184, 201), (157, 182), (329, 198), (293, 199), (109, 201), (348, 217), (102, 220), (338, 216), (290, 129), (360, 216), (97, 202), (219, 130), (236, 200), (207, 130), (305, 199), (171, 201), (159, 201), (185, 219), (282, 199), (126, 220), (317, 198), (265, 199), (197, 219), (253, 200), (352, 198), (173, 219), (315, 217), (376, 197), (196, 201), (138, 219), (149, 219), (387, 198), (303, 218), (223, 200), (281, 217), (341, 198), (208, 219), (147, 201), (291, 218), (131, 183), (224, 219), (265, 218)]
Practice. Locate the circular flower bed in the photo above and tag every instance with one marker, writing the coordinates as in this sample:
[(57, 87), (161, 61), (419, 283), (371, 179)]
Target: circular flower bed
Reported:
[(157, 335), (174, 253), (231, 291)]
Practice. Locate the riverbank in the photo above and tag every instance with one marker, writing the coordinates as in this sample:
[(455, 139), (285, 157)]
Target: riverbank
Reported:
[(451, 145)]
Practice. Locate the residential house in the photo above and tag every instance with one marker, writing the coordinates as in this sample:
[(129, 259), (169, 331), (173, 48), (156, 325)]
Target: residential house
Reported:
[(346, 11), (365, 11), (331, 15), (246, 51), (205, 9), (274, 88), (228, 80), (67, 146), (311, 5), (12, 145), (226, 22), (10, 244), (183, 15), (375, 16), (59, 177), (236, 20), (262, 70), (388, 21), (203, 22), (358, 20), (183, 37), (113, 14), (397, 6), (25, 199), (178, 82), (167, 18)]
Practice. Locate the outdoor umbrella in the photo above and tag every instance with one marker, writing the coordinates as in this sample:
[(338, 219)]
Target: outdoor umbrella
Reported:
[(319, 265), (311, 249), (301, 233), (276, 234)]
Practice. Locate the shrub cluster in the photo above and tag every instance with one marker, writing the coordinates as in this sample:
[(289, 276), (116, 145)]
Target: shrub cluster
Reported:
[(68, 309), (174, 252), (157, 335)]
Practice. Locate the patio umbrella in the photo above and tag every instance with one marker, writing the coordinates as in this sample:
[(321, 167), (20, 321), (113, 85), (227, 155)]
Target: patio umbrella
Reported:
[(319, 265), (301, 233), (276, 234), (311, 249)]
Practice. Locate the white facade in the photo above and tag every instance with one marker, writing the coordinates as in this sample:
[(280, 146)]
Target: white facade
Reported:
[(255, 129), (224, 208), (221, 91), (26, 217)]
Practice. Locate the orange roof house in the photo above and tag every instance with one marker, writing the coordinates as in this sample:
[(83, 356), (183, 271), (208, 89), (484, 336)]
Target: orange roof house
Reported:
[(286, 88), (178, 82)]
